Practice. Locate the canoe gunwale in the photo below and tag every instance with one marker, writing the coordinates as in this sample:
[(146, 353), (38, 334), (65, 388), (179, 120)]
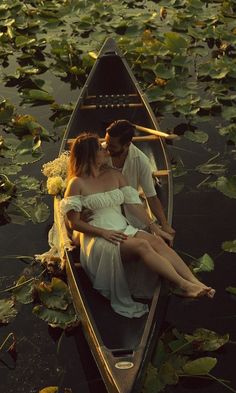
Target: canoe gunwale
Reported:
[(116, 381)]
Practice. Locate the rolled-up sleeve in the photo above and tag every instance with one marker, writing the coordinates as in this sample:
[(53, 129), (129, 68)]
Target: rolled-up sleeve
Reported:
[(130, 195), (145, 177), (71, 203)]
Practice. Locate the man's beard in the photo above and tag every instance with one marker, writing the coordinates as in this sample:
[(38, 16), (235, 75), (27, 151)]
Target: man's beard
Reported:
[(117, 153)]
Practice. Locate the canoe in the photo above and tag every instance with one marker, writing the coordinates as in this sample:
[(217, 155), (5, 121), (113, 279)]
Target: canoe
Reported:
[(121, 347)]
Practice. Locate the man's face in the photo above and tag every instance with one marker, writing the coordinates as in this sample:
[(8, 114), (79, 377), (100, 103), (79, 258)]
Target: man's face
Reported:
[(114, 146)]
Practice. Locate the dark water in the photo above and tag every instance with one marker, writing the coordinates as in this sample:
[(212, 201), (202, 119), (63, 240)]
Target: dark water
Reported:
[(202, 219)]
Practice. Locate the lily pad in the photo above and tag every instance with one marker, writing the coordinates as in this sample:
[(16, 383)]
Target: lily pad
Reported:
[(226, 185), (229, 246), (175, 42), (207, 340), (204, 264), (200, 366), (7, 310), (55, 295), (36, 96), (50, 389), (57, 318), (25, 293), (197, 136)]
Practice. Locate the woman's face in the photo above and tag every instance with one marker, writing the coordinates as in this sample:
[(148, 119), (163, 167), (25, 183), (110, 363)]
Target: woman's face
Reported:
[(102, 155)]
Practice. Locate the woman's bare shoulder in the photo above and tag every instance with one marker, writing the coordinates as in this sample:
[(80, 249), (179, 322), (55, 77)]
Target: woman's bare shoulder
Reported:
[(73, 187)]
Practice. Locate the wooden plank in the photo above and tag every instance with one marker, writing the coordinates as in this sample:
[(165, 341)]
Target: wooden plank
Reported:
[(147, 138)]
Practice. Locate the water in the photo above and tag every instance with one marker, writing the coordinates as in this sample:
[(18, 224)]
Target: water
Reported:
[(202, 219)]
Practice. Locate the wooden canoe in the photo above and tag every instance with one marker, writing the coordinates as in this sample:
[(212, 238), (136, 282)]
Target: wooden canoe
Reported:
[(120, 346)]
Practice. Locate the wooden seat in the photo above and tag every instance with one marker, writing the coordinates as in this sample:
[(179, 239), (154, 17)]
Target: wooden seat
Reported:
[(107, 101)]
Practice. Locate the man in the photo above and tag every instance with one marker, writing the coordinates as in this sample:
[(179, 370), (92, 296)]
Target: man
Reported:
[(135, 166)]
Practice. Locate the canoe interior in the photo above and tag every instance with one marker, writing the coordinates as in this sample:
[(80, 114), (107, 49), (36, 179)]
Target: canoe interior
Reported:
[(126, 333), (111, 93)]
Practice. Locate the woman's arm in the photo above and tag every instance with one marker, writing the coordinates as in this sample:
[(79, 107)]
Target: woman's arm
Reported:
[(76, 224)]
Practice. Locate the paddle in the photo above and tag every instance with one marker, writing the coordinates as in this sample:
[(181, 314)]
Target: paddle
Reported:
[(155, 132)]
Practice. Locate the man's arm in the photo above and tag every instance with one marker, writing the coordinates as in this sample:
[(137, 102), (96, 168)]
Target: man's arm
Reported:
[(157, 209)]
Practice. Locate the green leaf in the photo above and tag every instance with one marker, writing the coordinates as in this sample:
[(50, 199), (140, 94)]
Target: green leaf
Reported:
[(200, 366), (6, 111), (207, 340), (159, 354), (56, 318), (229, 246), (175, 42), (226, 185), (197, 136), (7, 310), (231, 290), (40, 213), (54, 295), (50, 389), (36, 95), (213, 169), (25, 293), (204, 264), (230, 131)]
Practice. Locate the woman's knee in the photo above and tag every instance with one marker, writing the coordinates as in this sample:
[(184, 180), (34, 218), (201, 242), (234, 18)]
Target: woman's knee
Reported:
[(143, 246)]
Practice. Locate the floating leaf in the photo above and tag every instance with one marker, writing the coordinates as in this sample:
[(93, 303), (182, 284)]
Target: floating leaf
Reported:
[(204, 264), (230, 131), (207, 340), (7, 310), (50, 389), (231, 290), (175, 42), (54, 295), (197, 136), (25, 293), (6, 111), (36, 95), (226, 185), (213, 169), (200, 366), (7, 188), (56, 318), (229, 246)]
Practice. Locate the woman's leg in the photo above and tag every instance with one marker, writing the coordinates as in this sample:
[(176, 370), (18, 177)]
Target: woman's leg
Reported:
[(140, 247), (160, 246)]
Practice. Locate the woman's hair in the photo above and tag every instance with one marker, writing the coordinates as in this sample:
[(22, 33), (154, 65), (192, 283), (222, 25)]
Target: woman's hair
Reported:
[(83, 154), (122, 129)]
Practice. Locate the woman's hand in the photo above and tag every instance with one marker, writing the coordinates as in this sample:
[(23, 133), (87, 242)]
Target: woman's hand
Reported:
[(114, 237), (156, 230)]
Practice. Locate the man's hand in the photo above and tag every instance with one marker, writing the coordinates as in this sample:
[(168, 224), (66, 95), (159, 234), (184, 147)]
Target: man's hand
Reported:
[(157, 230), (167, 228), (86, 215)]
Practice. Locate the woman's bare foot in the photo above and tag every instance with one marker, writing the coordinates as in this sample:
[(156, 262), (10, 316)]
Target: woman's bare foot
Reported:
[(211, 293), (195, 280), (195, 290)]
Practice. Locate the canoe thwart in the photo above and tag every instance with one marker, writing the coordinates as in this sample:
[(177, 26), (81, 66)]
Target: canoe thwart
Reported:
[(108, 101), (147, 138), (156, 132), (161, 172), (111, 106)]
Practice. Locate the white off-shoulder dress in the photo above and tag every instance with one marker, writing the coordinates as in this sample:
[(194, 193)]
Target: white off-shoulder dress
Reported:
[(100, 258)]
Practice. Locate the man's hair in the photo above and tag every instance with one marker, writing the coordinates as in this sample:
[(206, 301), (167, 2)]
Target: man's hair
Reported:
[(122, 129)]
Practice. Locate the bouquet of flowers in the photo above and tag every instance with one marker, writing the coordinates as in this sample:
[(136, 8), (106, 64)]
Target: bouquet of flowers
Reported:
[(56, 172)]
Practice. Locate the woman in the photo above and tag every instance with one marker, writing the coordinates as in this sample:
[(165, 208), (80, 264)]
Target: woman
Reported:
[(108, 239)]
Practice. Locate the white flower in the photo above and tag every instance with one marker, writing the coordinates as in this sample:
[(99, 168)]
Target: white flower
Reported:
[(57, 167), (56, 185)]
